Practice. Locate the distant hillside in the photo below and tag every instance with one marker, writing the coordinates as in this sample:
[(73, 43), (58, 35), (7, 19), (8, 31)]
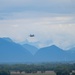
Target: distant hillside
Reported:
[(7, 39), (52, 53), (72, 53), (30, 48), (13, 52), (72, 50)]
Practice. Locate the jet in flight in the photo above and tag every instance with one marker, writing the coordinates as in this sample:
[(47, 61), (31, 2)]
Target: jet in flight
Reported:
[(31, 35)]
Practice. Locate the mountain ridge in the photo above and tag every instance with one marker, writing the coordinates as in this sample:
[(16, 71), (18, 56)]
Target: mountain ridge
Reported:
[(14, 52), (30, 48)]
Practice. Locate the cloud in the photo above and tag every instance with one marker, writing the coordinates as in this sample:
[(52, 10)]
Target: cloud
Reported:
[(49, 20), (52, 6), (58, 30)]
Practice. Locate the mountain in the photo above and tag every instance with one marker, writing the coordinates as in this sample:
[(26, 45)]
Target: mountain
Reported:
[(72, 50), (51, 53), (31, 42), (7, 39), (13, 52), (72, 53), (30, 48)]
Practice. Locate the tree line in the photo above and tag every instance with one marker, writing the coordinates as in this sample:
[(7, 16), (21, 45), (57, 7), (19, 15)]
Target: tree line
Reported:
[(58, 68)]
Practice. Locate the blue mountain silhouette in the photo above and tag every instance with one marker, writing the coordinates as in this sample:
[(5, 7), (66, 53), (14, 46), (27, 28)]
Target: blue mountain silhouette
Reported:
[(52, 54), (30, 48), (13, 52)]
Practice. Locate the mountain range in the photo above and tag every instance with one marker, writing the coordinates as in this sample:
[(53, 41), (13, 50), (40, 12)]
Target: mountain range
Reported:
[(15, 52), (30, 48)]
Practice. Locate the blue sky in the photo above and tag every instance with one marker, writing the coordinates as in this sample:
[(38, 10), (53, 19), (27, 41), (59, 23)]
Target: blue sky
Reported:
[(52, 21), (59, 6)]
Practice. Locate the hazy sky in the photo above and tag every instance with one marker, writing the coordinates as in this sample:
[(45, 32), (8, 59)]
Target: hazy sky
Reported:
[(51, 21)]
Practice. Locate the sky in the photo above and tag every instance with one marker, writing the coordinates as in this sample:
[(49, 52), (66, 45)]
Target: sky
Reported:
[(51, 21)]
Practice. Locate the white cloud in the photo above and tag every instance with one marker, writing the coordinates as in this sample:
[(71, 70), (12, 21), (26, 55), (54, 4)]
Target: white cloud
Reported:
[(52, 21), (59, 6), (58, 30)]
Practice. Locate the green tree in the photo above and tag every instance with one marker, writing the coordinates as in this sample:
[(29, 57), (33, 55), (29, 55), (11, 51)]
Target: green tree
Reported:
[(63, 70), (73, 73), (4, 72)]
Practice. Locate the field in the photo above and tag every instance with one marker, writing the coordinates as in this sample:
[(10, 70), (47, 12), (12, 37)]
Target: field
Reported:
[(38, 73), (33, 74)]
